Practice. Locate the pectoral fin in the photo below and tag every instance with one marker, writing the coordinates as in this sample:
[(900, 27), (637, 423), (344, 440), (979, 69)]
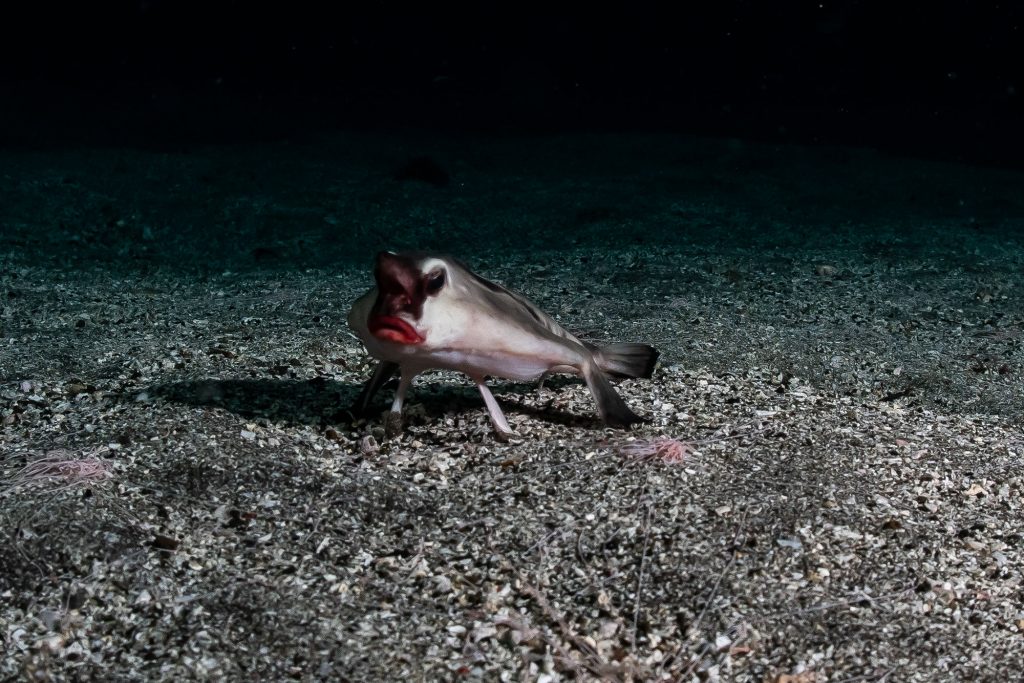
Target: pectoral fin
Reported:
[(384, 371), (501, 428), (393, 422)]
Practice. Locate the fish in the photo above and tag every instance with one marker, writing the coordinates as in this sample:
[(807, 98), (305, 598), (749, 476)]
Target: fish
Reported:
[(429, 311)]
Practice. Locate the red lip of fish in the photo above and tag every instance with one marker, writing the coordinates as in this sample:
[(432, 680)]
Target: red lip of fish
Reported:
[(393, 329)]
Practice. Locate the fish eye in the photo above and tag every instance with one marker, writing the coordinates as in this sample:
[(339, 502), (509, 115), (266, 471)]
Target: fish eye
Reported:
[(435, 281)]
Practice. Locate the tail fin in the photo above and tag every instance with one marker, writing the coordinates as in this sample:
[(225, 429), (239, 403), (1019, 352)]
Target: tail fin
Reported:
[(627, 360), (610, 406)]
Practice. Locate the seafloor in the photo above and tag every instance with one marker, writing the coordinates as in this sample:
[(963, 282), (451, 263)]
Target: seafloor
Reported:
[(839, 399)]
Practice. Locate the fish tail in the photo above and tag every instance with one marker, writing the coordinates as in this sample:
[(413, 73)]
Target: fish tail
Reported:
[(627, 360), (612, 409)]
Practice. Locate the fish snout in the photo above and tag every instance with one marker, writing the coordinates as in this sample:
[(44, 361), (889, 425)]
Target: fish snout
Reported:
[(393, 317), (392, 304)]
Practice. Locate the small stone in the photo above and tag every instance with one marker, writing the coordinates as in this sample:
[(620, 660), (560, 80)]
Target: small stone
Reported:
[(368, 445)]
